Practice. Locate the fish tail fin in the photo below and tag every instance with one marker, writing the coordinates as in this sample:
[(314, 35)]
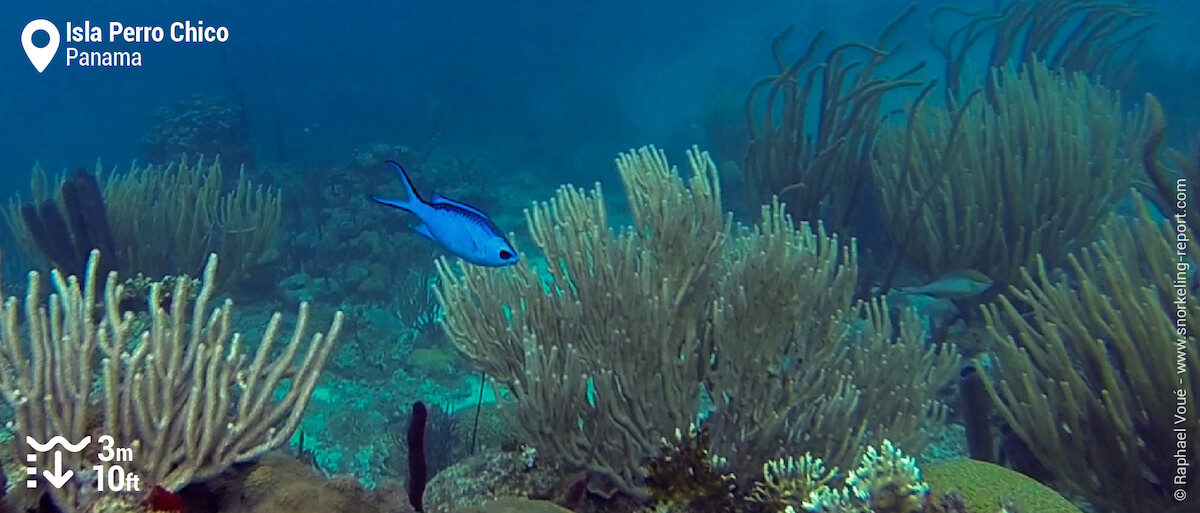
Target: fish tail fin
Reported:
[(413, 196), (405, 205)]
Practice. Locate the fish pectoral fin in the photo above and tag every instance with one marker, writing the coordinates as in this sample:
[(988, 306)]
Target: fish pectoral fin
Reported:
[(423, 231)]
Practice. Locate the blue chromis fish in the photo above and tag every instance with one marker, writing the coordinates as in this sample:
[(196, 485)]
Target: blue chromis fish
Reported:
[(461, 229), (955, 285)]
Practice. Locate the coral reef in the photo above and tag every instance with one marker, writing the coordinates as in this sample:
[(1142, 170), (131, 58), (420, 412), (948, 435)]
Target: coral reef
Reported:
[(1086, 36), (1090, 368), (339, 248), (885, 481), (685, 476), (994, 185), (819, 164), (158, 221), (181, 392), (599, 379), (679, 362), (67, 227), (167, 220), (200, 125)]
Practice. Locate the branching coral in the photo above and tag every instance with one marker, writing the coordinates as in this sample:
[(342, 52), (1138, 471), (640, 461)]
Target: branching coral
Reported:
[(1093, 37), (788, 482), (992, 185), (885, 481), (833, 382), (815, 155), (621, 314), (170, 219), (183, 394), (1092, 371), (1181, 167), (611, 354), (166, 220)]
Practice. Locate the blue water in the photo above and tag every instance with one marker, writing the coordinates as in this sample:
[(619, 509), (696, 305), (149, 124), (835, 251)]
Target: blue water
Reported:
[(555, 84), (558, 84)]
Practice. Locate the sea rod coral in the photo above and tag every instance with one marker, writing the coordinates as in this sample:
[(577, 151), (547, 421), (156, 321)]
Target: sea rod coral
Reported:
[(612, 352), (182, 392)]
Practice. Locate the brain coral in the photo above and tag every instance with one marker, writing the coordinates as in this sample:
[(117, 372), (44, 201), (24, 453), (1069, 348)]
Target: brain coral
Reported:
[(985, 486)]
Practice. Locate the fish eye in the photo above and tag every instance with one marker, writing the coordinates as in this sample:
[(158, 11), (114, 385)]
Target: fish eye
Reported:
[(505, 255)]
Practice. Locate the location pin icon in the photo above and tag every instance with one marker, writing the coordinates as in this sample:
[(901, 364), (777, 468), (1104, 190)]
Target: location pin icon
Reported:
[(40, 57)]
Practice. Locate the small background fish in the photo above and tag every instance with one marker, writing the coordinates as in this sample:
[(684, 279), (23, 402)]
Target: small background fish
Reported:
[(955, 285)]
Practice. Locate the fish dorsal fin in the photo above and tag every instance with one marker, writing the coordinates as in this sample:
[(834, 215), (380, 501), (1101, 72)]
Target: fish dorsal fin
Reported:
[(441, 202), (970, 274), (438, 199)]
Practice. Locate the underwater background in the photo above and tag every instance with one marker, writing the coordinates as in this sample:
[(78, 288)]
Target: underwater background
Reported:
[(861, 256)]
